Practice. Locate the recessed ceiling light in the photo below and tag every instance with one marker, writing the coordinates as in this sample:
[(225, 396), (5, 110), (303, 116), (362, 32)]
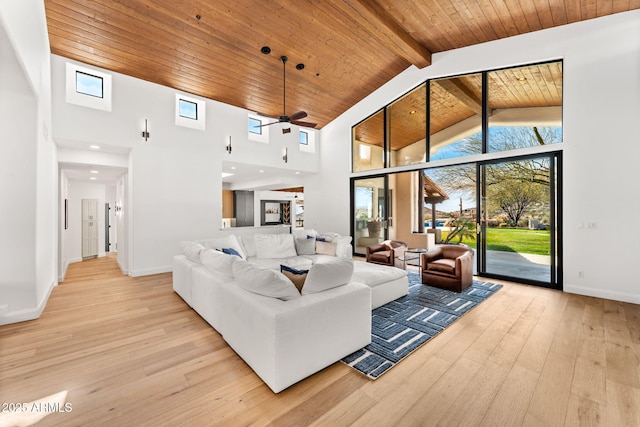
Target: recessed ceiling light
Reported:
[(94, 147), (226, 174), (261, 171), (412, 112), (93, 178), (522, 79), (297, 173), (95, 171), (233, 168)]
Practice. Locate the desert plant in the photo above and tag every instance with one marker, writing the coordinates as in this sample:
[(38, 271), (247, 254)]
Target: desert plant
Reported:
[(464, 228)]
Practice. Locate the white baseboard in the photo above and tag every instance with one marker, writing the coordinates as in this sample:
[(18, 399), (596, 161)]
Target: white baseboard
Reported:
[(124, 270), (602, 293), (29, 313), (150, 271), (65, 267)]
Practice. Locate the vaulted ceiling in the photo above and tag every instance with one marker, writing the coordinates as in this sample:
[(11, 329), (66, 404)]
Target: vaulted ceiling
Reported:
[(211, 48)]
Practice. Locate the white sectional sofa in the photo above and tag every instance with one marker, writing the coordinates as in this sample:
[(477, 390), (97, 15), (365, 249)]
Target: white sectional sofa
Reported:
[(285, 334)]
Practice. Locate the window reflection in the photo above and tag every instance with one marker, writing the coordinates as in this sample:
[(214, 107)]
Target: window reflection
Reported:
[(368, 143), (407, 128), (456, 117), (525, 106)]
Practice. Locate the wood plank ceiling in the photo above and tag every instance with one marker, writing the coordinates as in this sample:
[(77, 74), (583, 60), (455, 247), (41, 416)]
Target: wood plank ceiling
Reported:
[(211, 48)]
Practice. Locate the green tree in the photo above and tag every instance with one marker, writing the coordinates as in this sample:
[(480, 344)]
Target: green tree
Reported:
[(515, 198)]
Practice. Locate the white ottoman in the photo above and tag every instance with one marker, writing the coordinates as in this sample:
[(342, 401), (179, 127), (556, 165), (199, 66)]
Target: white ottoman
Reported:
[(386, 283)]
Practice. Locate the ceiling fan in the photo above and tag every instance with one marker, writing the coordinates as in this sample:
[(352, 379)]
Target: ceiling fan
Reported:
[(295, 117)]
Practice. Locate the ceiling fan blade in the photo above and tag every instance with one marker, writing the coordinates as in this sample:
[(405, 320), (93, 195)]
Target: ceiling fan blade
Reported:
[(267, 124), (298, 115), (305, 124)]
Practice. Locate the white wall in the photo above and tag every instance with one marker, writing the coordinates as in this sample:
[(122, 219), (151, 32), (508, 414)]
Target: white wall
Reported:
[(174, 180), (28, 169), (601, 110)]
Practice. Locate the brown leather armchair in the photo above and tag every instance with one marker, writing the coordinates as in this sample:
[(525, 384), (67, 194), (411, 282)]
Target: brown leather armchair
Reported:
[(448, 267), (389, 252)]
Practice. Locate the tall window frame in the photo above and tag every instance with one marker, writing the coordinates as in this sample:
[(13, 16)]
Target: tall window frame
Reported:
[(477, 92)]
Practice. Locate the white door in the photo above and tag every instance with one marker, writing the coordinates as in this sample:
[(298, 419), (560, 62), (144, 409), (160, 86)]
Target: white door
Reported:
[(89, 228)]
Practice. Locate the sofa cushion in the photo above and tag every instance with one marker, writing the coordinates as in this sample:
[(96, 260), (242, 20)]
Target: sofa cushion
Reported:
[(192, 250), (220, 243), (248, 245), (306, 246), (380, 256), (265, 282), (296, 276), (275, 246), (443, 265), (218, 262), (328, 275), (326, 248)]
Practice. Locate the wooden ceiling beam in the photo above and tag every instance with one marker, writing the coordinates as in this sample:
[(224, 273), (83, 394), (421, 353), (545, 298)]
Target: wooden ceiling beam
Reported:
[(383, 25)]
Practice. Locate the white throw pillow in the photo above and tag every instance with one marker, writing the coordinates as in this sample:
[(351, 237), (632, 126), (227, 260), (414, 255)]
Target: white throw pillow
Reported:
[(264, 281), (218, 262), (275, 246), (328, 275), (248, 245), (326, 248), (192, 250), (328, 237), (228, 242)]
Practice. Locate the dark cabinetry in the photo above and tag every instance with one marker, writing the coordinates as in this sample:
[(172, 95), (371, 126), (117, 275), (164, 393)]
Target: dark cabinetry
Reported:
[(243, 208)]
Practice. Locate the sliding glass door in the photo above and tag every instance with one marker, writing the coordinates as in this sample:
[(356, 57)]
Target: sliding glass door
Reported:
[(370, 212), (518, 220)]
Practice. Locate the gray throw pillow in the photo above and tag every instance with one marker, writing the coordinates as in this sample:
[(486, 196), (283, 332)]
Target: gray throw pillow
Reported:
[(306, 246)]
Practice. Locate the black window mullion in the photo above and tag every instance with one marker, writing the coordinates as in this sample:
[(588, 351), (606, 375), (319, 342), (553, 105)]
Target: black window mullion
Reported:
[(485, 113)]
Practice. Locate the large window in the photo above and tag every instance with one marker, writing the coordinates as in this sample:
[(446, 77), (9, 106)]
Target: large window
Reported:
[(368, 143), (455, 122), (407, 126), (452, 117), (525, 106)]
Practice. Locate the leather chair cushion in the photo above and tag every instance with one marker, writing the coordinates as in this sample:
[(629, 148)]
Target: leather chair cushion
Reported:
[(443, 265), (382, 256)]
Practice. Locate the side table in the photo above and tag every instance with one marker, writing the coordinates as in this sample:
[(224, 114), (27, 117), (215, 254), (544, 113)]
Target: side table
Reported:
[(415, 254)]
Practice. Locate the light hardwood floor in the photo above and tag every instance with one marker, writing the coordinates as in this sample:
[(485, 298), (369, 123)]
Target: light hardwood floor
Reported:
[(129, 351)]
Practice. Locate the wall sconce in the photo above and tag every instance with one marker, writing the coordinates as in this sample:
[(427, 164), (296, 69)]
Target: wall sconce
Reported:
[(228, 146), (145, 132), (285, 155)]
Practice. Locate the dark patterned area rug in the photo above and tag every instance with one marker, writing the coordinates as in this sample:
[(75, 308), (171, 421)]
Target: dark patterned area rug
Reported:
[(401, 326)]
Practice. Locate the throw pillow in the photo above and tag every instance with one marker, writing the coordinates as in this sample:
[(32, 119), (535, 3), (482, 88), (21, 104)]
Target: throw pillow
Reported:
[(248, 244), (192, 250), (328, 275), (326, 248), (218, 262), (275, 246), (296, 276), (305, 246), (328, 236), (301, 233), (229, 241), (231, 251), (264, 281)]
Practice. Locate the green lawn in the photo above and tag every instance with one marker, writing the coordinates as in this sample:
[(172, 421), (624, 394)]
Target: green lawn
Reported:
[(520, 240)]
